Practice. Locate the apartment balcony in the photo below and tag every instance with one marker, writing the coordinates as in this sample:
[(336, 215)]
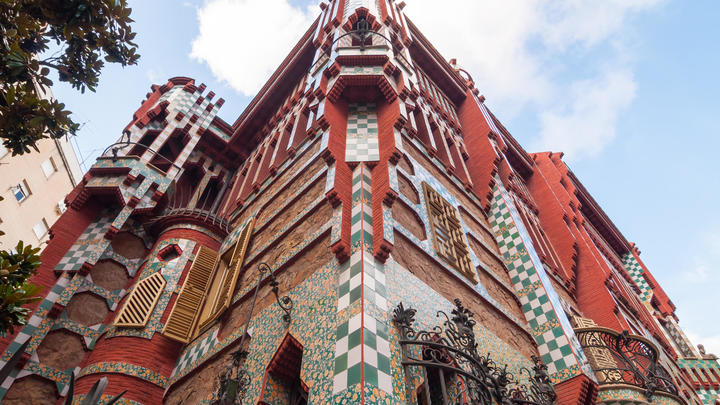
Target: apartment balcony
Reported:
[(627, 368)]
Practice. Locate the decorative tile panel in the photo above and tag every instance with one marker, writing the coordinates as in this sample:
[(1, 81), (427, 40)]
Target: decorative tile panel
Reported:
[(361, 144), (362, 349)]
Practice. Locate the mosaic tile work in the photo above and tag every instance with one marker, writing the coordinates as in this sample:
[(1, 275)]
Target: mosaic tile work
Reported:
[(557, 344), (196, 351), (171, 271), (362, 351), (182, 369), (635, 270), (709, 397), (90, 246), (361, 144), (61, 378), (127, 369), (38, 325), (678, 338), (390, 225), (629, 396), (90, 334), (313, 325), (78, 400)]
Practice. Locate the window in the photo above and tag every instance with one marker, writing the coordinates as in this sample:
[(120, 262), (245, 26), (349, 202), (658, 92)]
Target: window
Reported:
[(208, 288), (61, 207), (21, 191), (283, 374), (141, 302), (48, 167), (448, 234), (40, 228)]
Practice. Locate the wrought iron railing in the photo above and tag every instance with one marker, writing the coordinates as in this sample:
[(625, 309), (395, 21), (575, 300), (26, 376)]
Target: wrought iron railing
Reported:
[(455, 371), (621, 358), (361, 36)]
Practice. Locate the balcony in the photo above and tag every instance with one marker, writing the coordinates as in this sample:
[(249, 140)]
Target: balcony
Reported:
[(626, 363)]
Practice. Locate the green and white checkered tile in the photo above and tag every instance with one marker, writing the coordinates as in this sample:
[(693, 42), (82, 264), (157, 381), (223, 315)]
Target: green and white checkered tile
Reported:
[(362, 347), (708, 396), (195, 352), (89, 246), (29, 330), (362, 350), (361, 143), (636, 271), (556, 340), (374, 290)]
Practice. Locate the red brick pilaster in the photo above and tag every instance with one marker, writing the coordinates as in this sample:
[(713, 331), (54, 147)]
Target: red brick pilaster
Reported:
[(579, 390), (388, 118)]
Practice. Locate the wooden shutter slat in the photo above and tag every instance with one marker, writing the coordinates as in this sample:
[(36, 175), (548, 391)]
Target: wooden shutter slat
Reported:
[(141, 302), (227, 286), (181, 322)]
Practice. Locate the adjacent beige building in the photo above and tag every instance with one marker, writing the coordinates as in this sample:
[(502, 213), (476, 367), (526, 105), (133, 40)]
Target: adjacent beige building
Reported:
[(34, 186)]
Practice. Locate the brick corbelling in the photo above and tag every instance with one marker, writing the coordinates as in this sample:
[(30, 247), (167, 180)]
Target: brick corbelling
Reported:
[(388, 115), (592, 296), (336, 116), (63, 234), (190, 234), (552, 198), (137, 389), (157, 354), (481, 155), (578, 390)]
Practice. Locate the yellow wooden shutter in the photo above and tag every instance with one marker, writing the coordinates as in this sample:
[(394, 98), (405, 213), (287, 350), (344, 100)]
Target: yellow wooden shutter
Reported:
[(229, 278), (181, 322), (141, 302)]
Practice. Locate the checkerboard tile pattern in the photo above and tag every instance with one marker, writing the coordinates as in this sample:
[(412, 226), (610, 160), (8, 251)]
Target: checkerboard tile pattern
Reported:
[(709, 396), (633, 267), (362, 349), (555, 338), (90, 246), (362, 143), (679, 338), (37, 323), (196, 352)]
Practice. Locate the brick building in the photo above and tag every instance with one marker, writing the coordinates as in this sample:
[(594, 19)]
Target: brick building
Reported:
[(413, 251)]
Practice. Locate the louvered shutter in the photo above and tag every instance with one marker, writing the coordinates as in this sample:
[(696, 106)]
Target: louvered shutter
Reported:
[(227, 286), (181, 322), (141, 302)]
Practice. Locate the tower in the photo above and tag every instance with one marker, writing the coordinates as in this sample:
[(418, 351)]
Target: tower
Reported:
[(366, 231)]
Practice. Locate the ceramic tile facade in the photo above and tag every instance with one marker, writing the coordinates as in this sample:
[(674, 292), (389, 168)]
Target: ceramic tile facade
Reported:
[(635, 270), (362, 350), (557, 343), (361, 144)]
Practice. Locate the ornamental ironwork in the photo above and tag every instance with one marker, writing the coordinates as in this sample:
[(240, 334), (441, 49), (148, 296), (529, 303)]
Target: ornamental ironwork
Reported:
[(448, 358), (232, 384), (361, 32), (621, 358)]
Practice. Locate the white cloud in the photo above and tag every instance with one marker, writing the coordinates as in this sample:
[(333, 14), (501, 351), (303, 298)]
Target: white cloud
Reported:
[(244, 41), (588, 123), (517, 52)]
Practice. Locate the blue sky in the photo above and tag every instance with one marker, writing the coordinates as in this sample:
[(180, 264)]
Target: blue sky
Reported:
[(627, 88)]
